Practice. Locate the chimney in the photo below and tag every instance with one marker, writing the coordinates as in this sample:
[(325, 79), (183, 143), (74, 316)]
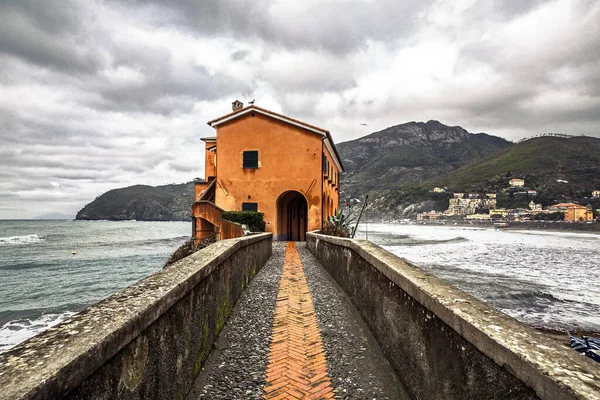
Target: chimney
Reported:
[(237, 105)]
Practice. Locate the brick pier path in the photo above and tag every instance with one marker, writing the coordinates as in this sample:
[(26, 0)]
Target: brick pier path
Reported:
[(294, 334)]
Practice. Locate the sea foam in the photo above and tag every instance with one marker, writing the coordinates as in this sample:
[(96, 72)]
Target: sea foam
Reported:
[(20, 240), (17, 331)]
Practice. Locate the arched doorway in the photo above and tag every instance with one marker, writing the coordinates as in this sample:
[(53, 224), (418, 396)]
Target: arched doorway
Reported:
[(292, 216)]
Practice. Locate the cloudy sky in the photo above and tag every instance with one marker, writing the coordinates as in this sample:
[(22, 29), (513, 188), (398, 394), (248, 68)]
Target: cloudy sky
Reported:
[(96, 95)]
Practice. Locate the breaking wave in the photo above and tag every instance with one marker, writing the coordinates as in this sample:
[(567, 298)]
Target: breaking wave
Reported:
[(20, 240), (16, 331)]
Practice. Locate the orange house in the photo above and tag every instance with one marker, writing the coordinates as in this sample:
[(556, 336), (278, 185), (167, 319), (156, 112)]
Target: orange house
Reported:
[(577, 213), (267, 162)]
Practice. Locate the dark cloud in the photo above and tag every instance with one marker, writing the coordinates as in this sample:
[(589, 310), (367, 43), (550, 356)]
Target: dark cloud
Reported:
[(512, 8), (339, 27), (103, 94), (239, 55), (164, 90), (45, 36)]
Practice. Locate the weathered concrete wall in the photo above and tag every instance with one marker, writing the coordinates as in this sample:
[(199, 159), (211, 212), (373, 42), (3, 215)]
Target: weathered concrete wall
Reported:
[(147, 342), (444, 343)]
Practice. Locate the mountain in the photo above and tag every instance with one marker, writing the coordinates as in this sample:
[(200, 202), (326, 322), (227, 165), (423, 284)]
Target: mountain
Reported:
[(142, 203), (410, 153), (557, 168)]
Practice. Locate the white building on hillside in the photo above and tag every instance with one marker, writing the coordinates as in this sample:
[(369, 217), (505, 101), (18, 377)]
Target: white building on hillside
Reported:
[(516, 182)]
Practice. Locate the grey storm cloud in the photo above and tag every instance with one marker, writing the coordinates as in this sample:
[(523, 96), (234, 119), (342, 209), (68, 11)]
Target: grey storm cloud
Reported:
[(101, 94), (45, 36), (337, 27)]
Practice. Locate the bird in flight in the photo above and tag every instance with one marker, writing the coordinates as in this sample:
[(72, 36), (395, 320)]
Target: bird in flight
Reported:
[(364, 125)]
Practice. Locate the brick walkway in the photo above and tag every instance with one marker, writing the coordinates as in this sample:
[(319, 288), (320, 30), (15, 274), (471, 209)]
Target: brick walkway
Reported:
[(297, 367), (292, 334)]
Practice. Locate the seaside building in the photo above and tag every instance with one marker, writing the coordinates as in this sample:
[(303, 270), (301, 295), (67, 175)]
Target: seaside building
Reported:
[(480, 217), (263, 161), (429, 216), (596, 194), (560, 207), (533, 206), (577, 213), (460, 204), (438, 190), (516, 182), (502, 212), (573, 212)]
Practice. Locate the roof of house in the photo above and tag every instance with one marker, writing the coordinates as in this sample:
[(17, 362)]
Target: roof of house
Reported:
[(252, 108), (564, 205)]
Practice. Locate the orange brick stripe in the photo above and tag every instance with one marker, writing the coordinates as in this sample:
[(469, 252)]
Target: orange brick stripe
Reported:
[(297, 367)]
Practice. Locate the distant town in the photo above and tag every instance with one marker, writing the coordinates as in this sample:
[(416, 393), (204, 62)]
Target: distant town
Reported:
[(482, 206)]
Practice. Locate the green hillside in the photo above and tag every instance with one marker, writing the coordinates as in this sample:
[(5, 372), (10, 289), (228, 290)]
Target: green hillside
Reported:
[(543, 162), (558, 168)]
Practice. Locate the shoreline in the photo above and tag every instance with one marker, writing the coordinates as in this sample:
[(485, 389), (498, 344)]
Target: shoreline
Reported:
[(529, 225)]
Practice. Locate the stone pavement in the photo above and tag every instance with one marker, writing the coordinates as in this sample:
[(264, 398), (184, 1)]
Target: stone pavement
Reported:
[(294, 334)]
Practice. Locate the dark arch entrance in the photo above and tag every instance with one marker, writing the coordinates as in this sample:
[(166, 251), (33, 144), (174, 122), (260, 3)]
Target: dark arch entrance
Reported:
[(292, 216)]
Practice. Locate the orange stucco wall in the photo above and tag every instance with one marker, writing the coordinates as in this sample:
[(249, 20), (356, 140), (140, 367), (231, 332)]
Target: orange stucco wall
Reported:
[(330, 186), (578, 213), (210, 163), (289, 159), (199, 187)]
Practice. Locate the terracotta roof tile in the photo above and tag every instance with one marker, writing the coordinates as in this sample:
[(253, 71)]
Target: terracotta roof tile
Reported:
[(267, 112)]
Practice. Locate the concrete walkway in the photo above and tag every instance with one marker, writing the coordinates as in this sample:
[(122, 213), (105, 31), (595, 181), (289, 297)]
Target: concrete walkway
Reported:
[(295, 335)]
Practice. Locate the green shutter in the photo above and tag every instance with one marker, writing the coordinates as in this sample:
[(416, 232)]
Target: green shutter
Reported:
[(250, 207), (251, 159)]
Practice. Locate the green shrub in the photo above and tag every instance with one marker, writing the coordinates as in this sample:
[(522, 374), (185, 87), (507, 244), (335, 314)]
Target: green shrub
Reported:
[(254, 220)]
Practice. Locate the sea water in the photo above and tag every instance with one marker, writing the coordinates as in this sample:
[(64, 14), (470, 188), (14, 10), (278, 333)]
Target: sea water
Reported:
[(548, 279), (42, 282), (545, 279)]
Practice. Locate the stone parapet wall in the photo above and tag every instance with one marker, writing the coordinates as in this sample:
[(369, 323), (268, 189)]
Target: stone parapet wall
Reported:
[(150, 341), (443, 342)]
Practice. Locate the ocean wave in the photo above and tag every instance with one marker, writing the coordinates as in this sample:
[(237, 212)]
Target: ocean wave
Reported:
[(420, 242), (20, 240), (144, 242), (19, 330), (525, 298)]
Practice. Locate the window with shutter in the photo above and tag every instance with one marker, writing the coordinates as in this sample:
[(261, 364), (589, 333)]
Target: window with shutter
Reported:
[(250, 159), (250, 207)]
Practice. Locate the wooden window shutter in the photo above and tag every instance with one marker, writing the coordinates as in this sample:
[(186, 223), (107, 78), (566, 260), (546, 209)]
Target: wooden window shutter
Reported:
[(250, 207), (250, 159)]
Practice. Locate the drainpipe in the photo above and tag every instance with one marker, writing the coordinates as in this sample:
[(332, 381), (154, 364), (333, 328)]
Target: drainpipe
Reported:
[(322, 193)]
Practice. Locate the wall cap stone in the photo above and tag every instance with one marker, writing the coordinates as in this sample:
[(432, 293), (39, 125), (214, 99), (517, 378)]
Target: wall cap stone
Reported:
[(60, 358), (553, 371)]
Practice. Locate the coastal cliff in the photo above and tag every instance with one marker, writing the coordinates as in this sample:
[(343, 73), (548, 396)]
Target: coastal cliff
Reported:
[(142, 203)]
